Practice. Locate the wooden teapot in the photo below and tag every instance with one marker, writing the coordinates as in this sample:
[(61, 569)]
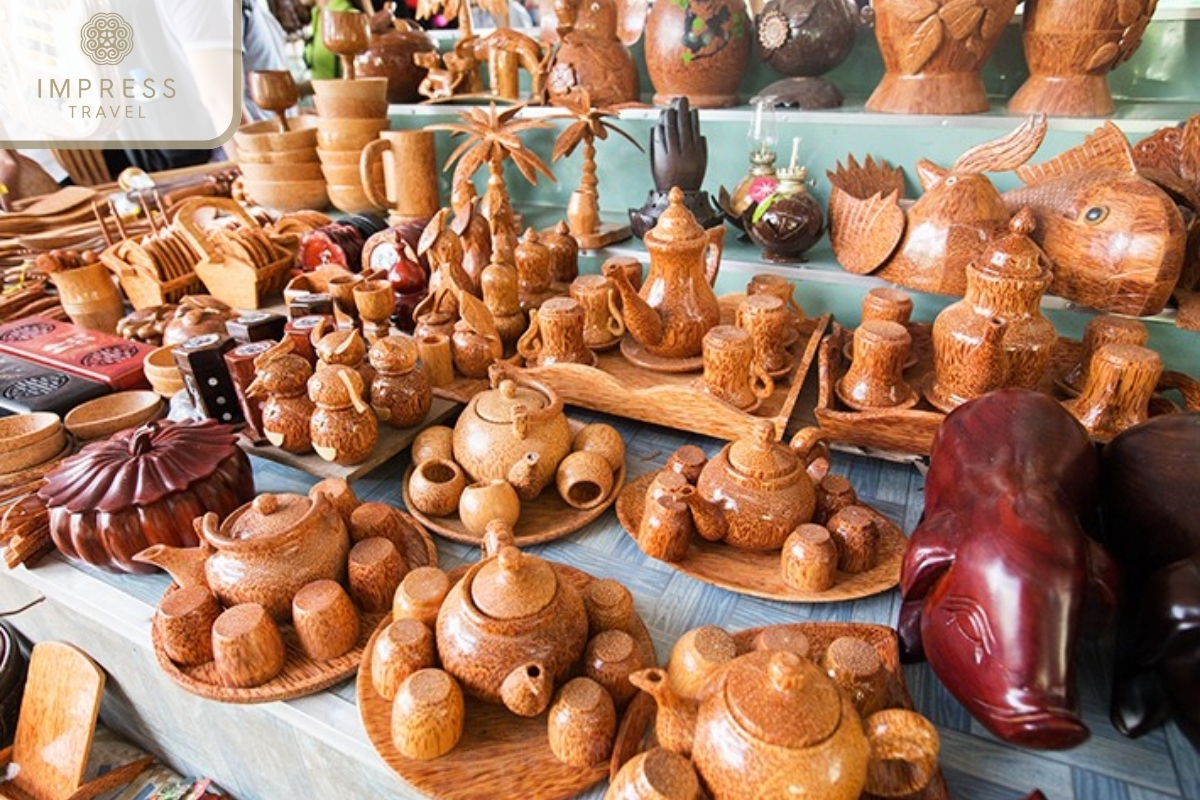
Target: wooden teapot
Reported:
[(775, 721), (513, 628), (756, 491), (515, 431)]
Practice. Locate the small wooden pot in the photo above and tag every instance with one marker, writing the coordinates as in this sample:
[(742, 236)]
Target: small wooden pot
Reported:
[(584, 480), (436, 486), (482, 502)]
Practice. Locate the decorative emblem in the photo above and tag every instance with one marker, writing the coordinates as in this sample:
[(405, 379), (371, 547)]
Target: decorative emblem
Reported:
[(106, 39)]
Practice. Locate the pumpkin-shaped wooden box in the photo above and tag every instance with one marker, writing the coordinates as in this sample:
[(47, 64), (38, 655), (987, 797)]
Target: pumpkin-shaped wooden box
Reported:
[(144, 486)]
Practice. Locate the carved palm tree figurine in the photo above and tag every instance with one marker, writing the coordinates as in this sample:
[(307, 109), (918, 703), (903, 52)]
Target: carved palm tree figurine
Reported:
[(493, 137), (583, 209)]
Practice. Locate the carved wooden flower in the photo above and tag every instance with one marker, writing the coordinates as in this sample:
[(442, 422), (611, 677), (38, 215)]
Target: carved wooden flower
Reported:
[(975, 23)]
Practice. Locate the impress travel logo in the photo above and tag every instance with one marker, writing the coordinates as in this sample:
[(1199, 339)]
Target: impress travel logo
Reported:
[(119, 73)]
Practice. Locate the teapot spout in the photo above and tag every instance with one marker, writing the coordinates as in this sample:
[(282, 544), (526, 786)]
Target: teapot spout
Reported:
[(675, 723), (643, 322), (708, 516), (185, 565), (525, 476), (528, 690)]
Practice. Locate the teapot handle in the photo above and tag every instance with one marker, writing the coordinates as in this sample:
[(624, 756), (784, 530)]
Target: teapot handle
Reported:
[(809, 444), (713, 252), (529, 346), (904, 752)]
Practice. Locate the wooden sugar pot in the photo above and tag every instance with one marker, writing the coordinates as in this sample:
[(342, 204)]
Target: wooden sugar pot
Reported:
[(343, 427), (512, 628), (756, 491), (515, 431), (775, 721)]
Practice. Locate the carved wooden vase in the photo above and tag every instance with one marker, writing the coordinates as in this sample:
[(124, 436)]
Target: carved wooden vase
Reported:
[(933, 51), (698, 49), (1071, 46)]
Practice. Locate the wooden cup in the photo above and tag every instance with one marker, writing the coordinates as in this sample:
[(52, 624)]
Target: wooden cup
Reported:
[(273, 90), (688, 461), (603, 440), (885, 304), (657, 774), (325, 619), (834, 492), (857, 538), (609, 606), (375, 570), (248, 649), (435, 486), (372, 520), (420, 595), (809, 559), (346, 34), (427, 715), (603, 325), (666, 528), (1121, 382), (730, 371), (777, 286), (1102, 330), (783, 639), (436, 441), (610, 658), (876, 376), (184, 622), (555, 335), (341, 289), (696, 655), (410, 175), (484, 501), (404, 647), (628, 265), (437, 356), (855, 666), (766, 319), (584, 480), (375, 300), (582, 723)]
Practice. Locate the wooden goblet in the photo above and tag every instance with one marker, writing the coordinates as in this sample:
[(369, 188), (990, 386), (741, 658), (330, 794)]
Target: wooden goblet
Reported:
[(274, 90), (346, 34)]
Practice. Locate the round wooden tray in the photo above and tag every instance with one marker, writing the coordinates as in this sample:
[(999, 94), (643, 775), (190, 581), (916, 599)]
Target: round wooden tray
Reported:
[(757, 573), (301, 675), (636, 353), (544, 519), (499, 755), (636, 731)]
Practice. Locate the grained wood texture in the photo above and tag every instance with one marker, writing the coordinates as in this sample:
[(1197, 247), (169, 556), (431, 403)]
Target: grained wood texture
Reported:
[(259, 752)]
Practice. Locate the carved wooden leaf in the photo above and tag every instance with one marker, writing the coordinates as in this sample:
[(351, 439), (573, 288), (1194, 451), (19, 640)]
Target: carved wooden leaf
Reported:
[(1129, 10), (1130, 40), (961, 17), (914, 10), (1106, 148), (924, 45), (993, 22), (1007, 152), (477, 316), (1189, 152), (1102, 59)]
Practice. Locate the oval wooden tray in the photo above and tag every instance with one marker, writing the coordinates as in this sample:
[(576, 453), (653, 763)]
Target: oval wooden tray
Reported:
[(301, 675), (757, 573), (500, 754), (636, 732), (542, 520)]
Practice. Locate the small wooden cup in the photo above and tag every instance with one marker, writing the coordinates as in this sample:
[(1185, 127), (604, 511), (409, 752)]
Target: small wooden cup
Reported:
[(184, 622), (657, 774), (834, 492), (484, 501), (339, 493), (376, 301), (273, 90), (1102, 330), (325, 619), (427, 715), (766, 319), (341, 289), (783, 639), (248, 649), (437, 356), (375, 570), (602, 439), (434, 442), (730, 371), (696, 655), (582, 723), (885, 304), (666, 528), (404, 647), (777, 286), (857, 538), (420, 595), (555, 335), (876, 376), (688, 461), (346, 34), (435, 486), (1121, 382), (378, 520), (584, 480), (603, 325), (629, 265), (609, 606), (809, 559), (611, 656), (855, 666)]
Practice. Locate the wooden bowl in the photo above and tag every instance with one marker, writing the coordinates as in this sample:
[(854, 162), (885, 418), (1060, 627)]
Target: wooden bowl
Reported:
[(349, 134), (22, 430), (350, 107), (359, 89), (281, 173), (351, 199), (341, 174), (31, 455), (265, 136), (339, 158), (159, 368), (288, 195), (106, 415), (303, 155)]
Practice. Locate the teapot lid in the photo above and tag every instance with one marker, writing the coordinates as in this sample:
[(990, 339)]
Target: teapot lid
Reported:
[(782, 699), (1015, 254), (513, 585), (496, 405), (760, 456), (268, 515), (676, 223)]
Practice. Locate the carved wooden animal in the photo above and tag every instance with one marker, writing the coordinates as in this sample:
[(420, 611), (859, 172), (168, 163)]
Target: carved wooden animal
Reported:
[(1115, 238), (928, 244), (504, 44)]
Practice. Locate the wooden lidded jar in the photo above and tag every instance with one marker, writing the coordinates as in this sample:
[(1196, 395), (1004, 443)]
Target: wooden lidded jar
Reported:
[(698, 49), (343, 426), (400, 394), (286, 413)]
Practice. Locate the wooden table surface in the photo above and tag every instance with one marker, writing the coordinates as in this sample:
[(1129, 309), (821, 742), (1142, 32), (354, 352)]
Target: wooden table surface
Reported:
[(976, 765)]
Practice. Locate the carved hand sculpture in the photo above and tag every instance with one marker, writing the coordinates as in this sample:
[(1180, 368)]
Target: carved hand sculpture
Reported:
[(1000, 580), (678, 153)]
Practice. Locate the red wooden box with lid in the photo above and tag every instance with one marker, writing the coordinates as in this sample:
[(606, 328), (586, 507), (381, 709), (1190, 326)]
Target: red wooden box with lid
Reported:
[(79, 351)]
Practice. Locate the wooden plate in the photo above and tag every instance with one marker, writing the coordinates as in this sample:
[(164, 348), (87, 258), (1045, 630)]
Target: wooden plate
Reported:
[(757, 573), (542, 520), (500, 754), (637, 728), (301, 675)]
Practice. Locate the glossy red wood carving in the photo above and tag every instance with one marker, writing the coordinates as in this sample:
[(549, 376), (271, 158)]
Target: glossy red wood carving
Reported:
[(1000, 580), (1152, 527)]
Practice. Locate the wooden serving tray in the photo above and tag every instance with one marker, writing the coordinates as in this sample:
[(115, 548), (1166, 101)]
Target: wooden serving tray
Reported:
[(907, 431), (757, 572), (391, 441), (618, 387), (301, 675), (636, 733), (499, 755)]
